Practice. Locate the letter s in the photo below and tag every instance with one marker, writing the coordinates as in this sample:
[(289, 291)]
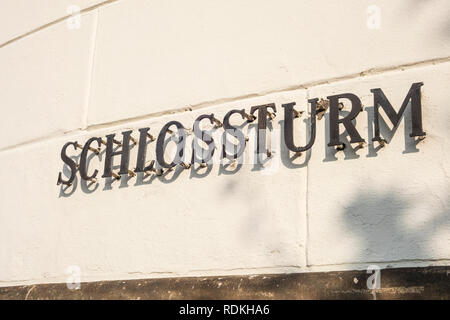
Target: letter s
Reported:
[(68, 161)]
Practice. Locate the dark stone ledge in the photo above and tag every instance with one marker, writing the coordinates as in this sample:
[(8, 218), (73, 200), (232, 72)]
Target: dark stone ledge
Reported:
[(398, 283)]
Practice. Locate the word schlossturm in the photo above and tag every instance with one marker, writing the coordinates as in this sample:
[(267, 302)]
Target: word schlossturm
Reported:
[(233, 150)]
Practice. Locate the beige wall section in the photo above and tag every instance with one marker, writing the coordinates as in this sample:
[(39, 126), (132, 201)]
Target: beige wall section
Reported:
[(45, 82), (132, 61), (157, 55), (21, 17), (388, 204), (175, 225)]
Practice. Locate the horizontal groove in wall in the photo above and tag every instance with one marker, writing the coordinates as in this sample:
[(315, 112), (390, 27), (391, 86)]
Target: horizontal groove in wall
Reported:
[(305, 86), (211, 103), (47, 25)]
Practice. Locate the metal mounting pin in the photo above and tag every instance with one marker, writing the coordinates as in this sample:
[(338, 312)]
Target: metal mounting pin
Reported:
[(133, 139), (185, 165), (114, 141), (96, 151), (150, 171), (340, 147), (271, 115), (249, 117), (420, 138), (297, 114), (152, 138), (131, 173), (158, 172), (217, 123), (321, 108), (115, 175), (382, 143)]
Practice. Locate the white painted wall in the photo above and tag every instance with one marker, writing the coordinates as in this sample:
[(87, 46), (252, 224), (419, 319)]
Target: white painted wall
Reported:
[(136, 63)]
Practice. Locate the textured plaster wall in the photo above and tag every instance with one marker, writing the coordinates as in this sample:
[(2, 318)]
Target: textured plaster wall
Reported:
[(136, 63)]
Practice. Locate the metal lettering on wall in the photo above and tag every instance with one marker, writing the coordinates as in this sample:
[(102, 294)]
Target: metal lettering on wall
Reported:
[(232, 150)]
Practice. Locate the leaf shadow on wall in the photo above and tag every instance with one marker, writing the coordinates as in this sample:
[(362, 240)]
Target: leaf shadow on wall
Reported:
[(387, 229), (421, 6)]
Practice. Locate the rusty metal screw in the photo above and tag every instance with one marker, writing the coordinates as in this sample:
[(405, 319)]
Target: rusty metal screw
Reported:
[(96, 151), (249, 117)]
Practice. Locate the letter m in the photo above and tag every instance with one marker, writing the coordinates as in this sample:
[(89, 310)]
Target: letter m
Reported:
[(413, 95)]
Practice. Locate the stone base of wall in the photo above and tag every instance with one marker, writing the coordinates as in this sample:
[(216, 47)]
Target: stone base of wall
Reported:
[(399, 283)]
